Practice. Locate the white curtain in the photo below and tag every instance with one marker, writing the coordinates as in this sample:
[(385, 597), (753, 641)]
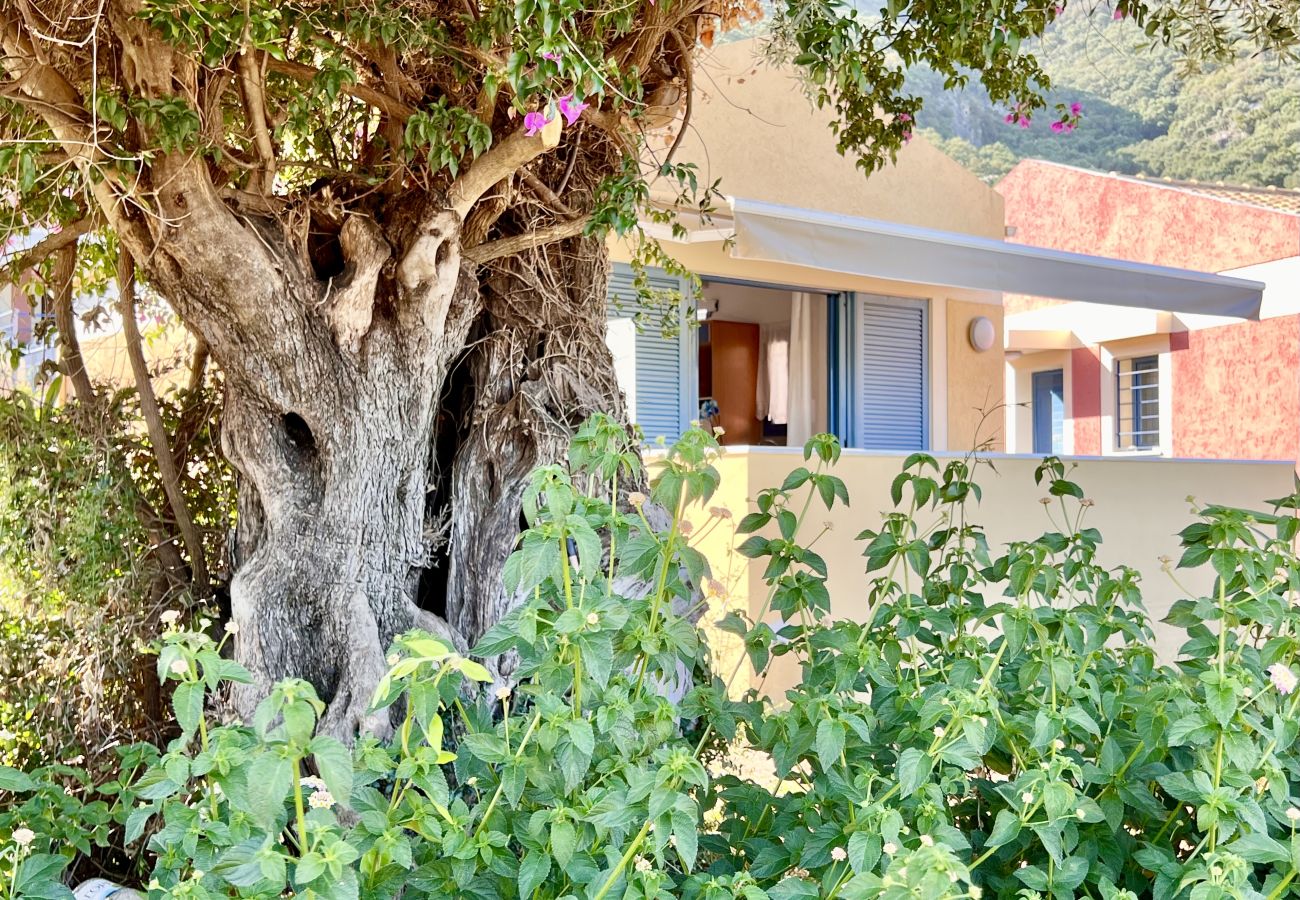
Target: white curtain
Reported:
[(773, 372), (799, 421)]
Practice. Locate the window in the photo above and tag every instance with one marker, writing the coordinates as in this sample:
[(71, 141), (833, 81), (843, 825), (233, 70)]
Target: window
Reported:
[(1137, 403), (1049, 412), (892, 385)]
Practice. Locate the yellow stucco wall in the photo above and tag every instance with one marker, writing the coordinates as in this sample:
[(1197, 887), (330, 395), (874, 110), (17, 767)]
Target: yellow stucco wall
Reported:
[(975, 381), (754, 127), (1009, 511), (167, 352)]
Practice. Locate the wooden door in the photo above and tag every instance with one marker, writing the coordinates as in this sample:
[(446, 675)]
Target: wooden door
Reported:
[(734, 358)]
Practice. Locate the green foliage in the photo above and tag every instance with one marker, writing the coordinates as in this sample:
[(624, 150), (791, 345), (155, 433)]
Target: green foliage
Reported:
[(990, 725), (1236, 120), (79, 576), (71, 568), (1239, 124)]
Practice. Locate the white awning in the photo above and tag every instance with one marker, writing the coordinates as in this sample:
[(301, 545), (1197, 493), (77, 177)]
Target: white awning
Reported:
[(858, 246)]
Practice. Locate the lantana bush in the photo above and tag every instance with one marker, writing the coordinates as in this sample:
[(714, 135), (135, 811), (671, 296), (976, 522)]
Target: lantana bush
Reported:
[(991, 723)]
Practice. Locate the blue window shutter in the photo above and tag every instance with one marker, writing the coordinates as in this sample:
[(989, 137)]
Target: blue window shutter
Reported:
[(666, 374), (892, 384)]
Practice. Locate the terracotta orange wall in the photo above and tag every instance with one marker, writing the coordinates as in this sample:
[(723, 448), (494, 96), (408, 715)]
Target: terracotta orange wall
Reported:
[(1085, 400), (1072, 209), (1237, 391)]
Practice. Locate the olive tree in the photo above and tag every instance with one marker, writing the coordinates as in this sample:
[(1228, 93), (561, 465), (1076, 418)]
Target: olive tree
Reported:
[(385, 222)]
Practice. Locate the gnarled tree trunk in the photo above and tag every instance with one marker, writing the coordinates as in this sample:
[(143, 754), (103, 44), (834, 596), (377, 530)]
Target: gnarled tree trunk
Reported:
[(396, 359), (539, 370), (352, 441)]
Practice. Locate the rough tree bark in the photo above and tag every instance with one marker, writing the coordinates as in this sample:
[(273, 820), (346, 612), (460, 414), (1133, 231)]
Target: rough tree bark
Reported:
[(338, 333), (540, 369)]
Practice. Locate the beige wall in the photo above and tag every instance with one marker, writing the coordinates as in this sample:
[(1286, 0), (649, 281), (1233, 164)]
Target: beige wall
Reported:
[(974, 381), (1140, 506), (753, 127), (167, 352)]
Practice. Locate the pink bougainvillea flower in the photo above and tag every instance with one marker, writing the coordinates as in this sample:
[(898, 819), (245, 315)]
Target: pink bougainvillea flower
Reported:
[(1118, 14), (1060, 8), (907, 136), (571, 108), (904, 117), (1011, 117), (1076, 108), (534, 122), (1058, 127), (1024, 121), (551, 55)]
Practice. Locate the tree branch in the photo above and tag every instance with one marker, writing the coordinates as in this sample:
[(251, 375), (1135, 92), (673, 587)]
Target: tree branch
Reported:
[(71, 362), (352, 300), (167, 470), (503, 159), (53, 243), (485, 253), (540, 188), (385, 103), (196, 410), (43, 89), (252, 90), (198, 365), (688, 85), (612, 125)]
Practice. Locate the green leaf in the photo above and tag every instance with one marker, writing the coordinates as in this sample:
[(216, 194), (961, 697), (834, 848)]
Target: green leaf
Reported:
[(533, 870), (1260, 848), (913, 771), (241, 865), (794, 888), (864, 851), (136, 823), (38, 877), (310, 867), (1220, 697), (486, 746), (15, 781), (270, 778), (597, 656), (796, 478), (582, 735), (685, 832), (830, 743), (334, 762), (1005, 828), (187, 700), (563, 841)]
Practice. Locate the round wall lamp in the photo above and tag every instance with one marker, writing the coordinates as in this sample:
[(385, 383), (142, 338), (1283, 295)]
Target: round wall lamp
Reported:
[(982, 333)]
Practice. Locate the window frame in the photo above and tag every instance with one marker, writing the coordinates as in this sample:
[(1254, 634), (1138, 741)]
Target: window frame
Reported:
[(1125, 389)]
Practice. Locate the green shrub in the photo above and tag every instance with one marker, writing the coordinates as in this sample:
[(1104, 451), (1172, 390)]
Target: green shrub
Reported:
[(87, 561), (997, 725), (75, 577)]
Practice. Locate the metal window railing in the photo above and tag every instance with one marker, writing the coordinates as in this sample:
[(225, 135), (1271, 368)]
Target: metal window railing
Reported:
[(1137, 403)]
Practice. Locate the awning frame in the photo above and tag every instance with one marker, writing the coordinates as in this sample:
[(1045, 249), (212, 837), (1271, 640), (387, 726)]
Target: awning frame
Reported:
[(854, 245)]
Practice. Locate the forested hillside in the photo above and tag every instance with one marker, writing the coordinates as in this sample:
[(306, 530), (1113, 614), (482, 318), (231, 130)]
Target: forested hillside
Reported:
[(1239, 124)]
